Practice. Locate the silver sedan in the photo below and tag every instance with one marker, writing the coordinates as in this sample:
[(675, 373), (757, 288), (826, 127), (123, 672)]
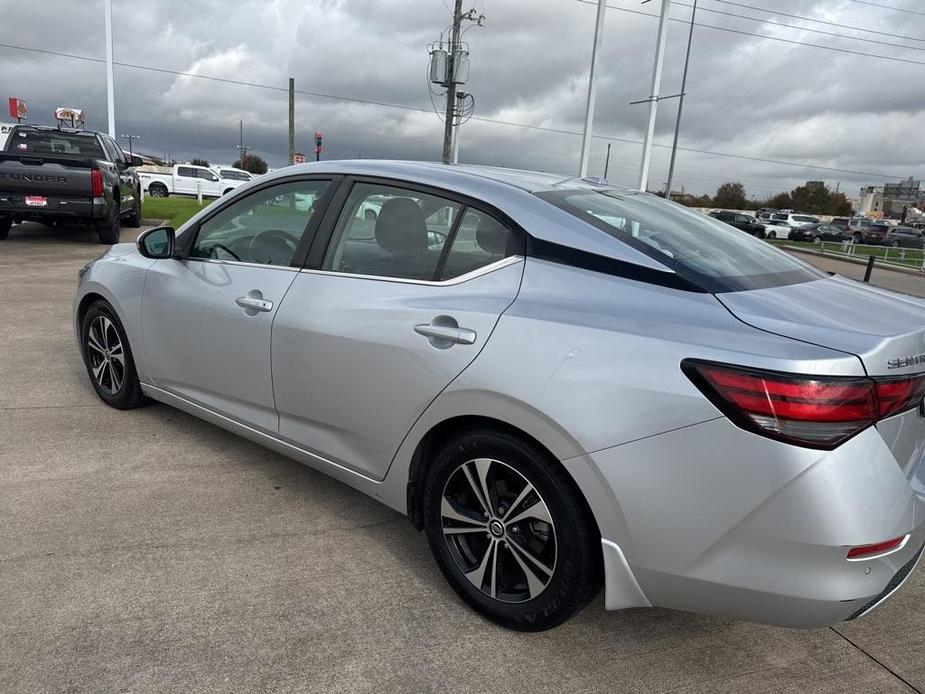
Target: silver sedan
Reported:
[(564, 384)]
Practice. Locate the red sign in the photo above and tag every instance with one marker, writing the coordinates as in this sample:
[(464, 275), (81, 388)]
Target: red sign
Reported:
[(17, 108)]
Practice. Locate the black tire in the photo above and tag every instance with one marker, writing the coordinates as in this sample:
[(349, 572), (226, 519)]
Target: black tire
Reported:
[(158, 190), (128, 394), (109, 229), (509, 598), (817, 239), (858, 238), (896, 244), (772, 235), (133, 220), (5, 225)]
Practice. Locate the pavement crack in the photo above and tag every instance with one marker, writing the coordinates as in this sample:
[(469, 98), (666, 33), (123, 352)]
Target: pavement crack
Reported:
[(879, 662)]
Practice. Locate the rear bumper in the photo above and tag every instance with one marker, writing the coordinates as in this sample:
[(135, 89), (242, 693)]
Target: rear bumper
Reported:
[(715, 520), (14, 205)]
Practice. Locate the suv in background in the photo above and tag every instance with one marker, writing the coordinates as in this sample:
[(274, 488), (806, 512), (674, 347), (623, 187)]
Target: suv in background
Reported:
[(868, 231), (744, 222), (841, 222)]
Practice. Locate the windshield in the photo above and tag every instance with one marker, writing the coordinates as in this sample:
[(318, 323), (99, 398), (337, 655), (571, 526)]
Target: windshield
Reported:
[(707, 252), (55, 142)]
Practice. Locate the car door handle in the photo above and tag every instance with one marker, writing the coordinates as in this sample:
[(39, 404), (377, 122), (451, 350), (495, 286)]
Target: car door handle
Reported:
[(254, 303), (462, 336)]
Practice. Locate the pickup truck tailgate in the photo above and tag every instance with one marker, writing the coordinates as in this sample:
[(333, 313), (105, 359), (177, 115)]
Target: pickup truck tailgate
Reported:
[(50, 176)]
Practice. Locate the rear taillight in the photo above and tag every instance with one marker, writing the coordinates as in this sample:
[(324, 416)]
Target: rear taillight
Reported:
[(96, 183), (877, 550), (811, 411)]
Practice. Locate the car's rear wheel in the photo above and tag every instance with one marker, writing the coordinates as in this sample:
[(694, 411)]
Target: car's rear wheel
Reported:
[(5, 225), (817, 239), (772, 235), (510, 531), (108, 358), (158, 190), (858, 238), (895, 244)]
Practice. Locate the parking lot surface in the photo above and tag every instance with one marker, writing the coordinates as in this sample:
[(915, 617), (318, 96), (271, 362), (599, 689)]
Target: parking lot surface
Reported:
[(148, 551)]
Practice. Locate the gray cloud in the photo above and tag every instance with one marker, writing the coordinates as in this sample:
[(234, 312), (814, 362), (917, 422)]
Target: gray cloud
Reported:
[(748, 96)]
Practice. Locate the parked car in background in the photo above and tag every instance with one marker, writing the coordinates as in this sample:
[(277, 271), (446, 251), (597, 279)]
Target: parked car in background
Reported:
[(841, 222), (186, 179), (798, 220), (904, 237), (776, 228), (742, 221), (769, 467), (56, 175), (818, 233), (867, 231), (229, 173)]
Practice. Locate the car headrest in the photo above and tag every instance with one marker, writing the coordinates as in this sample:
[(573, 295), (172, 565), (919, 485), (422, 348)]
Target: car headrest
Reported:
[(491, 236), (401, 226)]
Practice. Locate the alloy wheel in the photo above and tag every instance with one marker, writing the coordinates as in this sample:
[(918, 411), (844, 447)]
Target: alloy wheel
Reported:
[(498, 530), (105, 355)]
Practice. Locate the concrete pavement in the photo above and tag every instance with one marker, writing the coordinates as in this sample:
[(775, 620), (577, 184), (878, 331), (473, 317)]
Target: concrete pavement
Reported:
[(147, 551)]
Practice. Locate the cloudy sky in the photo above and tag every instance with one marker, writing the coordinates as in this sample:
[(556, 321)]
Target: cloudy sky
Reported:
[(755, 97)]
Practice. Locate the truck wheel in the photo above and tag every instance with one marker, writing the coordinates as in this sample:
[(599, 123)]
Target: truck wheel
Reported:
[(134, 218), (158, 190), (5, 224), (108, 230)]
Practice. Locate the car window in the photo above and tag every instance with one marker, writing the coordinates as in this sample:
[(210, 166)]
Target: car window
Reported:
[(390, 232), (804, 218), (205, 174), (704, 251), (479, 240), (264, 227), (186, 171), (56, 142)]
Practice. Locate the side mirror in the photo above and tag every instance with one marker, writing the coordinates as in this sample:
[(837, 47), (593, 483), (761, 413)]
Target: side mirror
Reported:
[(157, 243), (135, 160)]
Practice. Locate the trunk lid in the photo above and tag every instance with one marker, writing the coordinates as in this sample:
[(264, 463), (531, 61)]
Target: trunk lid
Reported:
[(884, 329)]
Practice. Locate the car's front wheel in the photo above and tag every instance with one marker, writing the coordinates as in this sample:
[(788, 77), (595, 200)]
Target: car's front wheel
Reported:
[(108, 358), (772, 235), (510, 531)]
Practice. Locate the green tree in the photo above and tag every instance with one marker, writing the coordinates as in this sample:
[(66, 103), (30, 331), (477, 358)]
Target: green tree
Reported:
[(252, 163), (730, 196), (199, 162), (841, 206), (781, 201)]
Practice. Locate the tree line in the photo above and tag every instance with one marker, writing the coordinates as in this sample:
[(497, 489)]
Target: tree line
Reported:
[(813, 197)]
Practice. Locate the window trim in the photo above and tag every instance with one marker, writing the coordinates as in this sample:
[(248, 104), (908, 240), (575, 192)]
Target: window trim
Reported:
[(335, 182), (516, 247), (459, 279)]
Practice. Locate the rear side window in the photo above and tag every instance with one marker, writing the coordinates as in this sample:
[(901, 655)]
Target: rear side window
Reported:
[(55, 142), (186, 172), (387, 231), (480, 240), (707, 253)]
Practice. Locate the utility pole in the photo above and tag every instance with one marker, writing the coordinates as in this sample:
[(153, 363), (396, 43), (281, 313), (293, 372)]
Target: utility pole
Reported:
[(110, 96), (653, 94), (242, 148), (607, 161), (130, 137), (589, 106), (451, 83), (677, 124), (291, 120)]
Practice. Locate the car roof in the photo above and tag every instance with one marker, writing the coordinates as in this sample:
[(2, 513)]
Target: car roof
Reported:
[(509, 190)]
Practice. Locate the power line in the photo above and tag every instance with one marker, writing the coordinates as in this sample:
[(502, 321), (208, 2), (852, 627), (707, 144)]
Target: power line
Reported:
[(889, 7), (820, 21), (769, 38), (807, 29), (483, 119)]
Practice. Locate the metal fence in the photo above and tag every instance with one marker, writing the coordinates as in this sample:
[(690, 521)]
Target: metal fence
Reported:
[(885, 255)]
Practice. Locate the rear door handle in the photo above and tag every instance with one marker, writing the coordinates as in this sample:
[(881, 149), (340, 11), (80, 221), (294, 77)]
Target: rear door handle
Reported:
[(254, 304), (462, 336)]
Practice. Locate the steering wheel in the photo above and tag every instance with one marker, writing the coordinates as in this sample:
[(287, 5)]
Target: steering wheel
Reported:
[(224, 248), (278, 247)]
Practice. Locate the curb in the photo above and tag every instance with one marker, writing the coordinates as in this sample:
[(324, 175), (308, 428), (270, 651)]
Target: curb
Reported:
[(153, 222)]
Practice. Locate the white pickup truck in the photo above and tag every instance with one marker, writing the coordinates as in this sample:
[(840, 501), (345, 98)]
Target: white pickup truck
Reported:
[(186, 179)]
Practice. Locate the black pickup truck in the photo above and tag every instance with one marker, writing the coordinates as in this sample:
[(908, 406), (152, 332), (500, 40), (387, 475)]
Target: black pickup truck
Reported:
[(58, 176)]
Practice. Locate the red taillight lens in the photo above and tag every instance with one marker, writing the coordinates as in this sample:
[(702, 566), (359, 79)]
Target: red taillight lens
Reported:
[(96, 183), (881, 548), (812, 411)]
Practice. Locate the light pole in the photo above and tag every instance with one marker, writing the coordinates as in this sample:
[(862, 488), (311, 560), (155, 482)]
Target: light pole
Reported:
[(110, 97), (653, 94), (677, 124), (130, 137), (589, 106)]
